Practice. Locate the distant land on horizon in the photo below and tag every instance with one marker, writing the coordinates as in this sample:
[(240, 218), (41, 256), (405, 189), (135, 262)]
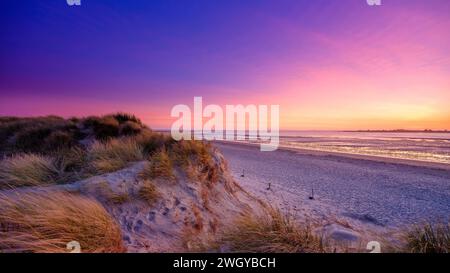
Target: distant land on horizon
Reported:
[(351, 131), (156, 129), (399, 131)]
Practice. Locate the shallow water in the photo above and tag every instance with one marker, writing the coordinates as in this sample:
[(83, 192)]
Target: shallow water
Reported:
[(421, 146), (430, 147)]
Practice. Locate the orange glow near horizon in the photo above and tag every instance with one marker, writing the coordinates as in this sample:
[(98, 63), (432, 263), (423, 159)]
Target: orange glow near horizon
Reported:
[(329, 65)]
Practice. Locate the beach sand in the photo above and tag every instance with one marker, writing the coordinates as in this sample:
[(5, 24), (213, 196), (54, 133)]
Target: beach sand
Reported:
[(372, 194)]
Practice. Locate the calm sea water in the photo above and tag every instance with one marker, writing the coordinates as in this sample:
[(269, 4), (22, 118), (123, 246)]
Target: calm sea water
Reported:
[(421, 146), (431, 147)]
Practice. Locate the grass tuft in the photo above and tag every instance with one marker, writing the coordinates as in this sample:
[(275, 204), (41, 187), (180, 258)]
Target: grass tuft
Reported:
[(114, 155), (273, 232), (428, 238), (59, 140), (105, 127), (40, 134), (160, 165), (152, 142), (125, 117), (27, 170), (195, 157), (148, 192), (129, 128), (46, 221)]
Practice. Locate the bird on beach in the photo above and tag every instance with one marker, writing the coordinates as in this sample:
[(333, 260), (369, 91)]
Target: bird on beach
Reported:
[(243, 173)]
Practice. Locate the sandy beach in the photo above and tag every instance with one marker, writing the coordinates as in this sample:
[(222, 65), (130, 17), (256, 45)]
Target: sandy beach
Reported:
[(369, 193), (204, 129)]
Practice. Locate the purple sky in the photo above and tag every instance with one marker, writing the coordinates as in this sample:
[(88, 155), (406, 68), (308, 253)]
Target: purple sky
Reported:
[(329, 64)]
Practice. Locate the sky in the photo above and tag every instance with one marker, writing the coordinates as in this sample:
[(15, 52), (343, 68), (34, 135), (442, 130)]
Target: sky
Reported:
[(330, 65)]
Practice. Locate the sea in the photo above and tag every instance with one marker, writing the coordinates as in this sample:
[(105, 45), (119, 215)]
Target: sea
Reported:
[(423, 146), (419, 146)]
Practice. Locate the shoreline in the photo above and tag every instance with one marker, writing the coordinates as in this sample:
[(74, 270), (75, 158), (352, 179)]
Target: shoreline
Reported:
[(375, 158), (371, 194)]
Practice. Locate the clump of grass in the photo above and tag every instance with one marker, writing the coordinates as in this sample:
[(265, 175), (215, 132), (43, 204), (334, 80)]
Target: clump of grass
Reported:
[(71, 160), (106, 127), (114, 125), (45, 134), (119, 198), (184, 151), (31, 138), (130, 128), (41, 134), (148, 192), (125, 117), (27, 170), (103, 127), (114, 154), (46, 221), (59, 140), (152, 142), (160, 165), (273, 232), (429, 238), (195, 157)]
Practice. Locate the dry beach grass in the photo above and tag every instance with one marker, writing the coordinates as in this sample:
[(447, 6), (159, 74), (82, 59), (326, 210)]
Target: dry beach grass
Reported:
[(45, 221), (271, 232), (428, 238), (27, 170)]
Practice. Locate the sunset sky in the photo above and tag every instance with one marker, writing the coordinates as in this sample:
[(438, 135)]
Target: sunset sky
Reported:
[(328, 64)]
